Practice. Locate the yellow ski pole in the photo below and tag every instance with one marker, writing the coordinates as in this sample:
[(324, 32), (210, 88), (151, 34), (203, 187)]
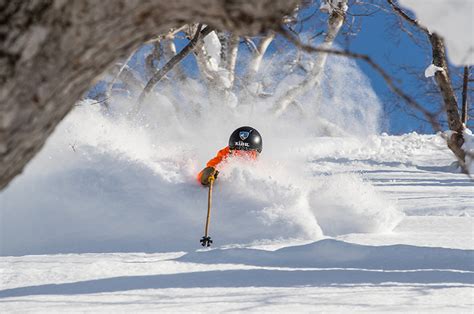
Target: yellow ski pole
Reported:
[(206, 239)]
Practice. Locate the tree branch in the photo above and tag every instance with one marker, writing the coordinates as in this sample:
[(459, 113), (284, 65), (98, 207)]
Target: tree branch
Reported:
[(405, 16), (250, 44), (388, 80), (175, 60)]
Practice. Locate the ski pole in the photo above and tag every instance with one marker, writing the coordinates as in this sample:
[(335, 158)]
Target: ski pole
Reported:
[(206, 239)]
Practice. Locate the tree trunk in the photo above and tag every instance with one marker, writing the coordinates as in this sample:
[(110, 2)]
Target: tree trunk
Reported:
[(443, 81), (465, 81), (52, 50)]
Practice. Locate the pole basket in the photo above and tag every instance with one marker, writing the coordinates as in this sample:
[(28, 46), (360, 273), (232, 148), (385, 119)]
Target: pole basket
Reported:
[(206, 241)]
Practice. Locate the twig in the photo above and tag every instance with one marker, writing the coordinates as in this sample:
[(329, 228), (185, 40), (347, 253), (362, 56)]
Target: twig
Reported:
[(100, 101), (251, 45), (78, 104)]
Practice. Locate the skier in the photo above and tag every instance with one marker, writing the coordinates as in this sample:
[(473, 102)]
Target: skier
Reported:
[(244, 142)]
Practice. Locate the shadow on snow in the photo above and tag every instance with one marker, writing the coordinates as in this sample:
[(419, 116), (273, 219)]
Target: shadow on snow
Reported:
[(241, 278), (396, 264)]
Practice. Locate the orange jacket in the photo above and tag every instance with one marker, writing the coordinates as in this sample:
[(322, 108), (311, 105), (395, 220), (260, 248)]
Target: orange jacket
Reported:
[(224, 153)]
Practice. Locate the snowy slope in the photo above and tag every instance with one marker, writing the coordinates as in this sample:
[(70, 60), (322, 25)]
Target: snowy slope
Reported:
[(369, 223), (332, 217)]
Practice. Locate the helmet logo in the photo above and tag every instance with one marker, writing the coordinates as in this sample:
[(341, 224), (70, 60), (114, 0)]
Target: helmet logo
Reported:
[(244, 135), (240, 143)]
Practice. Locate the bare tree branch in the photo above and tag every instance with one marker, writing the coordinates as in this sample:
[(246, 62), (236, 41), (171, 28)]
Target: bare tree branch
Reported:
[(412, 21), (388, 80), (175, 60), (250, 44)]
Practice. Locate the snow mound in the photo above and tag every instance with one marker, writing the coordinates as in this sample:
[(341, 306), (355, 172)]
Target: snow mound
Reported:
[(337, 254)]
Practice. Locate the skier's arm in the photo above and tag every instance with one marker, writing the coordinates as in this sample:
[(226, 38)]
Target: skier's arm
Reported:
[(221, 155)]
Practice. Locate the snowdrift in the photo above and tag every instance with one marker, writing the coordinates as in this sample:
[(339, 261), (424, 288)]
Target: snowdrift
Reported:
[(337, 254)]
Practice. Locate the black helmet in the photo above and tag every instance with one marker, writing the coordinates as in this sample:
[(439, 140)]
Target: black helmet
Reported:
[(246, 138)]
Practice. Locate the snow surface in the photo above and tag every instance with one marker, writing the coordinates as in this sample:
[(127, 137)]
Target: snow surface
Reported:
[(452, 19), (308, 239), (109, 215)]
